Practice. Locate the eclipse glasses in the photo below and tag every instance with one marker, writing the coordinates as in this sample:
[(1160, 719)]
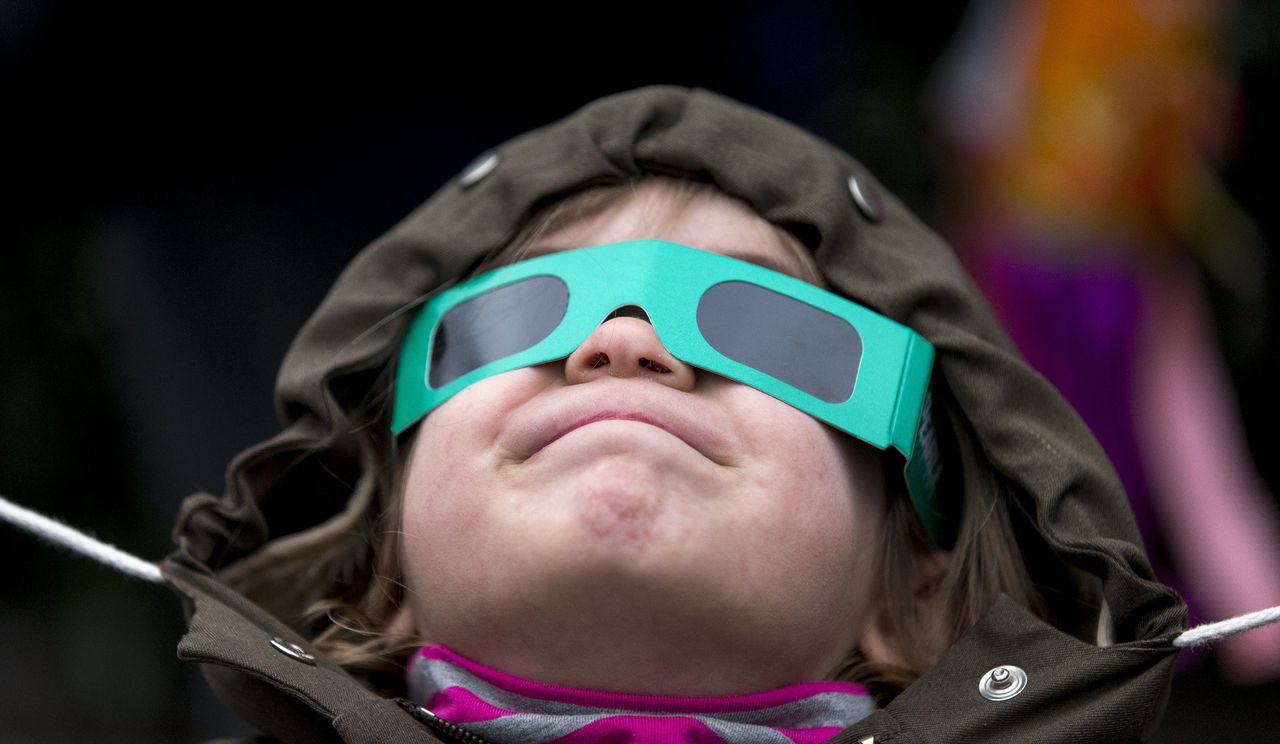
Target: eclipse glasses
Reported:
[(832, 358)]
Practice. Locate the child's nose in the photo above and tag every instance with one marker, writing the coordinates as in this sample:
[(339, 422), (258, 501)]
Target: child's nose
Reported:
[(625, 345)]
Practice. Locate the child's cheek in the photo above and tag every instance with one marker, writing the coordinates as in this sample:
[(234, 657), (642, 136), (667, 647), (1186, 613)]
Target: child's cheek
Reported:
[(825, 488), (450, 479)]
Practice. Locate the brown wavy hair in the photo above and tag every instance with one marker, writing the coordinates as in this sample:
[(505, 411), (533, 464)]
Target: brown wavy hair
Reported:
[(354, 626)]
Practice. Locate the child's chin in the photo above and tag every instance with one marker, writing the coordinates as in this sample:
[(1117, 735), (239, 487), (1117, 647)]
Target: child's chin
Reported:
[(625, 506)]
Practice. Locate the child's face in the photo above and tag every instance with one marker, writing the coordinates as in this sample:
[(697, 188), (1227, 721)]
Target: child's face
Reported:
[(726, 543)]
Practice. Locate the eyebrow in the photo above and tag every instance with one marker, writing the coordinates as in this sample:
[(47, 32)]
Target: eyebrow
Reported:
[(758, 260)]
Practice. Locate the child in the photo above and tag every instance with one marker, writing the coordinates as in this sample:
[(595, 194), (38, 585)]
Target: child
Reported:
[(721, 503)]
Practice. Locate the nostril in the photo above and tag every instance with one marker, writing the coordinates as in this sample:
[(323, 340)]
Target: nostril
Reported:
[(656, 367), (599, 360)]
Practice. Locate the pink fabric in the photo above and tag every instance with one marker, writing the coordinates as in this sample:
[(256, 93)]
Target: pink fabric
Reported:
[(634, 729), (630, 729), (506, 709), (460, 705), (1224, 523), (625, 701)]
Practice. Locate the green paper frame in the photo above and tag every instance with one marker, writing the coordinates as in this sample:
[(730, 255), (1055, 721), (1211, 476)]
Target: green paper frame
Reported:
[(887, 407)]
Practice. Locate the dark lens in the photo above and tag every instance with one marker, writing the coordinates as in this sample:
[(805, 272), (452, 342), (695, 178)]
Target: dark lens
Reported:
[(496, 324), (784, 338)]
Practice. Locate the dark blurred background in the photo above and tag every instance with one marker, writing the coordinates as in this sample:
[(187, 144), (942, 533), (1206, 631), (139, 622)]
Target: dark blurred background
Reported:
[(183, 181)]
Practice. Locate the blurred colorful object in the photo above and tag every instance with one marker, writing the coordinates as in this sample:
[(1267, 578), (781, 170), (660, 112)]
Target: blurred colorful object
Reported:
[(1084, 195)]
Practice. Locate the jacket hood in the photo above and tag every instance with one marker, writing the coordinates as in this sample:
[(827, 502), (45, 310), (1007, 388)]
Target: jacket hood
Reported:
[(288, 495)]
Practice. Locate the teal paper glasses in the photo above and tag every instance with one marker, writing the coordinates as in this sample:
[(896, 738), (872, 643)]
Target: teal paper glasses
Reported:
[(837, 361)]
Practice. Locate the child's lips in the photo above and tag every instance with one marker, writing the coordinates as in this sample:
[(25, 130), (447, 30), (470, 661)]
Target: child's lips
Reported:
[(611, 416)]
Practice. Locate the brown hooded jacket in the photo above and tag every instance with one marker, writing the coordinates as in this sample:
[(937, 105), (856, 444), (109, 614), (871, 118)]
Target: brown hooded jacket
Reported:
[(289, 496)]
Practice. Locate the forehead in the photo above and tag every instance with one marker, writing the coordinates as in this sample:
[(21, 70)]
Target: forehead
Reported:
[(707, 219)]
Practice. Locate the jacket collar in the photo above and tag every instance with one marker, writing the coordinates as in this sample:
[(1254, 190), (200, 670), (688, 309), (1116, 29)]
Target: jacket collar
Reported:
[(276, 681)]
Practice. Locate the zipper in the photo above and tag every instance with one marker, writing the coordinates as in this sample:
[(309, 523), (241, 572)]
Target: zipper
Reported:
[(452, 733)]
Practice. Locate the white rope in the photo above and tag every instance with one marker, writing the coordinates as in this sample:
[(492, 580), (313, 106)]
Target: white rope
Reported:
[(1210, 632), (68, 537), (60, 534)]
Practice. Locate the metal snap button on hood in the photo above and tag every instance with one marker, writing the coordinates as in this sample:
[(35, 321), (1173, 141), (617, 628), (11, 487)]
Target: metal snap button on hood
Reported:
[(866, 198), (477, 169), (293, 650), (1002, 683)]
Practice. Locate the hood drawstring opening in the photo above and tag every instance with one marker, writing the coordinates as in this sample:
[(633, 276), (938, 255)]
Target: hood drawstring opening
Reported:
[(58, 533)]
